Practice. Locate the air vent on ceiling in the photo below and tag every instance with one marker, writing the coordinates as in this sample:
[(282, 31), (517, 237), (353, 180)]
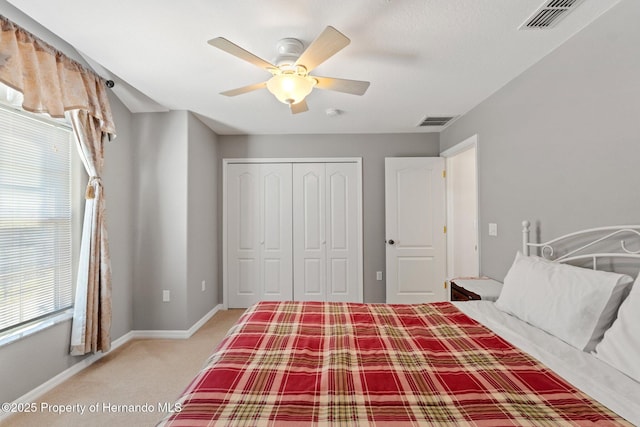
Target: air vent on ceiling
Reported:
[(549, 14), (435, 121)]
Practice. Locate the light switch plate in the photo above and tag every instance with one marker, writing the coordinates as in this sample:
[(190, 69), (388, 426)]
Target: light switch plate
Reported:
[(493, 229)]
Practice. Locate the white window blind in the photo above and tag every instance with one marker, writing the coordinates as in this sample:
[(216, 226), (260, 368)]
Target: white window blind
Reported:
[(35, 218)]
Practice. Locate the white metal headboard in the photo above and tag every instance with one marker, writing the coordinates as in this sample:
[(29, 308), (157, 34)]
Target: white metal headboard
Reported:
[(584, 252)]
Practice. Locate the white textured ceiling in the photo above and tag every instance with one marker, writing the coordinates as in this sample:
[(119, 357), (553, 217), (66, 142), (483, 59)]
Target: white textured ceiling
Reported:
[(422, 57)]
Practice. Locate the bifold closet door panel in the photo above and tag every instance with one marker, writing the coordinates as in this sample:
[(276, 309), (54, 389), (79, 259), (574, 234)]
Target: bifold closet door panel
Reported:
[(259, 234), (309, 254), (325, 221), (243, 227), (276, 238), (341, 232)]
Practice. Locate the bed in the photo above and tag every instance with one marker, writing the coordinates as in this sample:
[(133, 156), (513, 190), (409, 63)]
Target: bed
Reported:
[(470, 363)]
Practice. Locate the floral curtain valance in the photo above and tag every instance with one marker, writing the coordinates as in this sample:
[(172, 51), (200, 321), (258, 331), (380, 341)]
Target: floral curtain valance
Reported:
[(51, 82)]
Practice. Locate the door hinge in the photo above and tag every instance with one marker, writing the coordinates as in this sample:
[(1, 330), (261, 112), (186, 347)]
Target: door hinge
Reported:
[(445, 285), (445, 229), (444, 174)]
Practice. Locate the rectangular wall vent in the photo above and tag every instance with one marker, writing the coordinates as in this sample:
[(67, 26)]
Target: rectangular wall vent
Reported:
[(549, 14), (435, 121)]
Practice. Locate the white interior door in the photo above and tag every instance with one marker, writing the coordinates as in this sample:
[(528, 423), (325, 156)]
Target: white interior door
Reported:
[(415, 229), (259, 235)]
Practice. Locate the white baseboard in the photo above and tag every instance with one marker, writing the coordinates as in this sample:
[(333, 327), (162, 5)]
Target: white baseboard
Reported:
[(63, 376), (176, 334)]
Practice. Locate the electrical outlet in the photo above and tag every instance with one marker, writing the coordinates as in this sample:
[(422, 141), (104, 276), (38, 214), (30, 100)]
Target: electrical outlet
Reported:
[(204, 285), (378, 275), (166, 295)]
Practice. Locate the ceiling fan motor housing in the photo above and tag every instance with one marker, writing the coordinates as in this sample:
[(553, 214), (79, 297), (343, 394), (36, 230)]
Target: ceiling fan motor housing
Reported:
[(289, 50)]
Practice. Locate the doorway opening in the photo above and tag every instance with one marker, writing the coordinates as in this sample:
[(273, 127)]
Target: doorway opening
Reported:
[(463, 256)]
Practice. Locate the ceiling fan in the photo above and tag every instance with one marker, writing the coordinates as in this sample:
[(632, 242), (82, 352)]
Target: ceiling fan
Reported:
[(290, 81)]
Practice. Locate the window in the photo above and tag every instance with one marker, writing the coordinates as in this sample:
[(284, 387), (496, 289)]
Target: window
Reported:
[(36, 272)]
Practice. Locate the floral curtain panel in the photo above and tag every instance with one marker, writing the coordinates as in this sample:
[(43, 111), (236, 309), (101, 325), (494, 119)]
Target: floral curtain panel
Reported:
[(52, 83), (92, 309)]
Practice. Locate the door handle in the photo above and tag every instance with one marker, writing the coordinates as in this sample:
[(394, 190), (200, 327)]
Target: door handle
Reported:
[(391, 242)]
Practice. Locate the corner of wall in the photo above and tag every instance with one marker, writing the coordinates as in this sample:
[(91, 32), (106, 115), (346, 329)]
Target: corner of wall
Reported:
[(202, 225)]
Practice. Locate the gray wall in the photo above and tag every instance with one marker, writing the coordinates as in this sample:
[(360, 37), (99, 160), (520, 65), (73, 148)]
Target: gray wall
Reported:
[(202, 231), (118, 178), (160, 237), (175, 233), (559, 145), (372, 148)]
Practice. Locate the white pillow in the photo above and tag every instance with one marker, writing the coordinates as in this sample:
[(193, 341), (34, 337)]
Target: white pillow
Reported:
[(574, 304), (620, 346)]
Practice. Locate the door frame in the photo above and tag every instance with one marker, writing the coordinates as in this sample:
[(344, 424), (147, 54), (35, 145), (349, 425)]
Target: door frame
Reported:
[(227, 161), (469, 143)]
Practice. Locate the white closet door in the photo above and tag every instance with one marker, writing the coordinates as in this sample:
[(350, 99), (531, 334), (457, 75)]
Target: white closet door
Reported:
[(259, 235), (276, 239), (243, 227), (326, 238), (309, 255), (342, 233)]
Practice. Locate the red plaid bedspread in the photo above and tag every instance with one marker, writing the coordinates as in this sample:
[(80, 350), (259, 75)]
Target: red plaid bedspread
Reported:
[(293, 363)]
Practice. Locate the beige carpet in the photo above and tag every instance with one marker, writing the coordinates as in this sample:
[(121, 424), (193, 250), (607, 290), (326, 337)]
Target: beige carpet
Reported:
[(148, 373)]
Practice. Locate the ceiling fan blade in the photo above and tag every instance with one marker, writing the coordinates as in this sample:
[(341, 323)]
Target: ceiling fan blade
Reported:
[(354, 87), (299, 107), (328, 43), (244, 89), (237, 51)]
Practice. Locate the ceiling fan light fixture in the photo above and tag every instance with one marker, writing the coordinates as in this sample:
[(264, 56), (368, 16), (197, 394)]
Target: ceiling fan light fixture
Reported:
[(290, 88), (290, 82)]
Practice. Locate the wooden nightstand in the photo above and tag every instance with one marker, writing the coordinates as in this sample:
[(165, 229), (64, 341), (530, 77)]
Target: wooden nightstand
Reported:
[(475, 289)]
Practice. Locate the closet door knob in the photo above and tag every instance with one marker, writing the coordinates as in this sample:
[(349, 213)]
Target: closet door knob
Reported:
[(391, 242)]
